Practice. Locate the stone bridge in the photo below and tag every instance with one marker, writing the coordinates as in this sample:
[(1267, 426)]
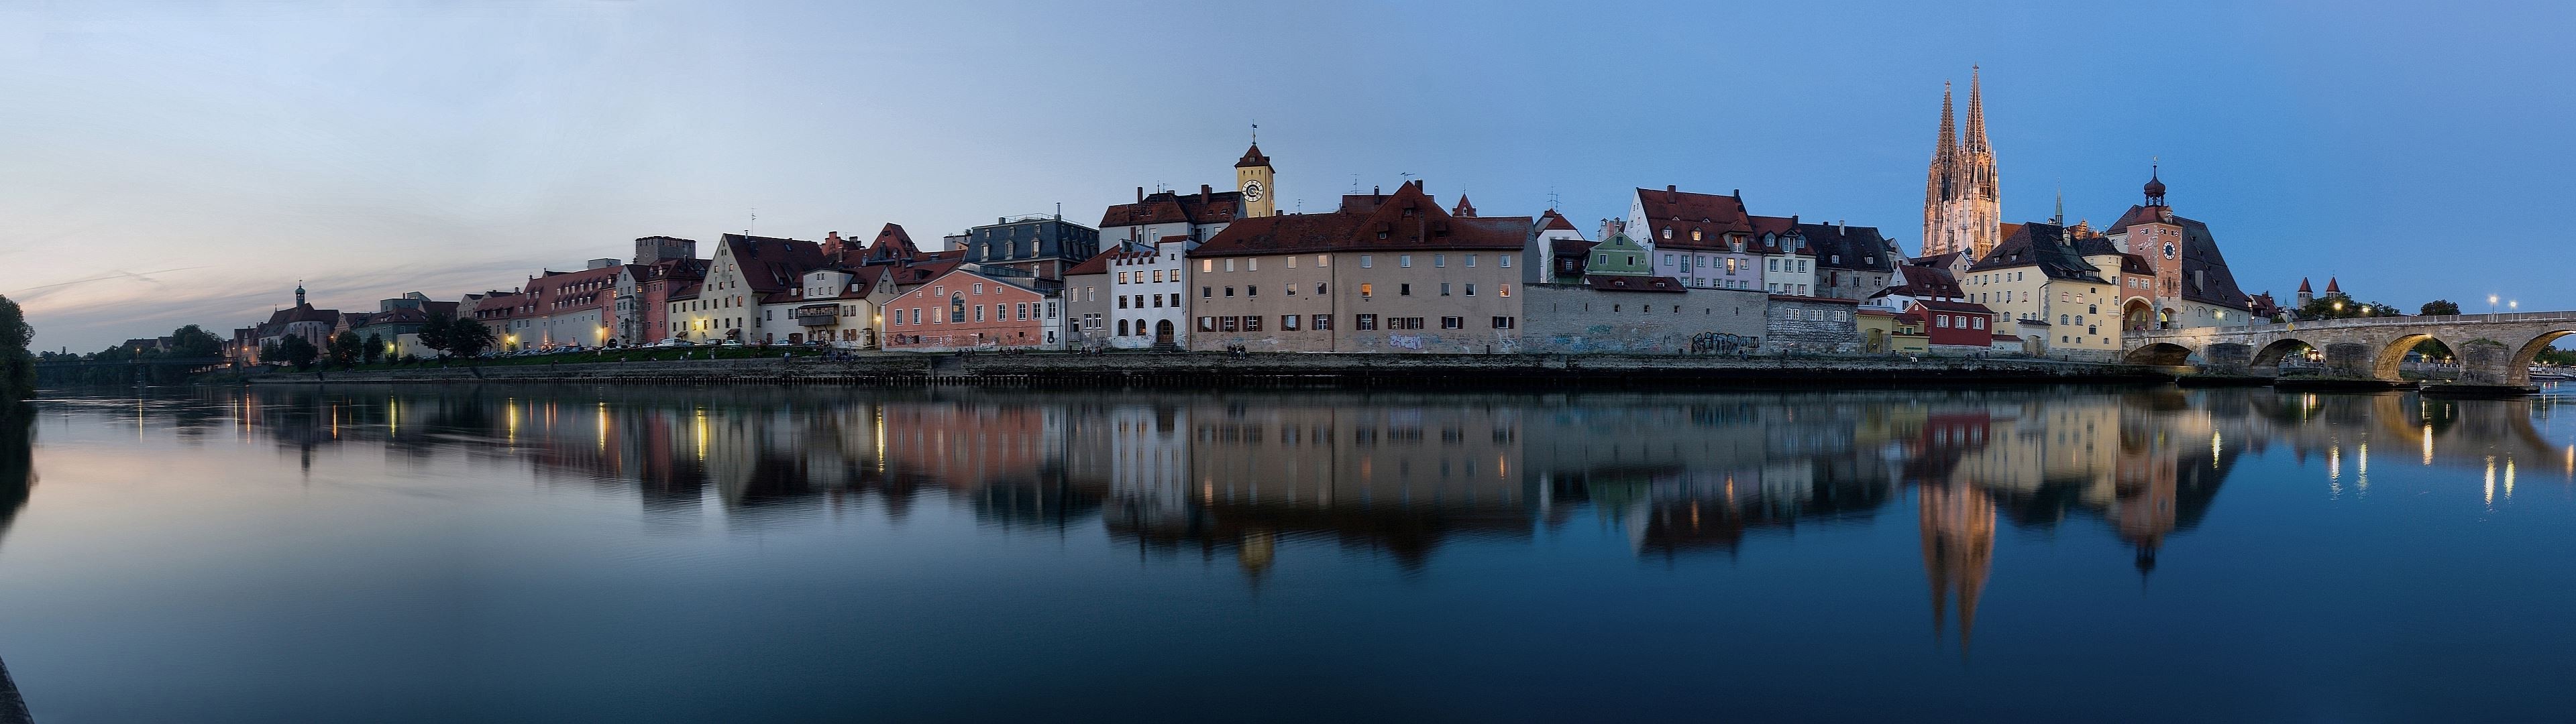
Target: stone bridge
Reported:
[(2494, 350)]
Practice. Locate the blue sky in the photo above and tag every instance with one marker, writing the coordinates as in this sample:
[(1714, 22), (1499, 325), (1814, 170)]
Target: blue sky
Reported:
[(167, 165)]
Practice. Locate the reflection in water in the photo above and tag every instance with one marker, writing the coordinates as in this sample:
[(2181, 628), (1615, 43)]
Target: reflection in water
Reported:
[(17, 480), (1258, 477)]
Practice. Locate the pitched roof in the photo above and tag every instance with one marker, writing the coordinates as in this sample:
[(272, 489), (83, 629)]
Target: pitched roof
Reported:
[(2045, 246), (1571, 247), (1856, 247), (1942, 260), (892, 245), (1097, 264), (1949, 306), (1927, 282), (1406, 220), (1683, 212), (1551, 221), (1463, 208), (769, 264), (1167, 207), (1252, 157)]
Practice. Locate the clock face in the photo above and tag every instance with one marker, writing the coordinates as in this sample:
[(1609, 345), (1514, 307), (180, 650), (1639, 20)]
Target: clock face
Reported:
[(1252, 190), (2169, 250)]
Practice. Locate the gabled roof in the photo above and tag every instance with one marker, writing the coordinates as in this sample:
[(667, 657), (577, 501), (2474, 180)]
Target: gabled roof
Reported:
[(1097, 264), (1463, 208), (1925, 282), (892, 245), (2045, 246), (1252, 157), (1571, 247), (1684, 212), (1858, 247), (1167, 207), (1551, 221), (1949, 306), (769, 264), (1404, 221)]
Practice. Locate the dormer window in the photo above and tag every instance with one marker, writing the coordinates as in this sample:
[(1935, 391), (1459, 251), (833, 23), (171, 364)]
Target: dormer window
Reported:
[(1694, 235)]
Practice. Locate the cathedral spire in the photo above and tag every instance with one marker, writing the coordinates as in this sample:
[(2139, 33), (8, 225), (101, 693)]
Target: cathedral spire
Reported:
[(1948, 146), (1975, 142)]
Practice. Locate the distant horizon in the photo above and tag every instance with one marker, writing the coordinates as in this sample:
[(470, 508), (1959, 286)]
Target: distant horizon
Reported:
[(188, 165)]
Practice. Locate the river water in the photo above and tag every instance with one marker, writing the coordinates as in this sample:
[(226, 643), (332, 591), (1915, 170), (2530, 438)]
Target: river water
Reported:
[(736, 554)]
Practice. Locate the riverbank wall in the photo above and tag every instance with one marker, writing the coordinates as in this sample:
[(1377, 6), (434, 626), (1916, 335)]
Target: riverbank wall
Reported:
[(1184, 370)]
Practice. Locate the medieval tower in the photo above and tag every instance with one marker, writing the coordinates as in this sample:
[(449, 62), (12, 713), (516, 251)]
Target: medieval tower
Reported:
[(1962, 209)]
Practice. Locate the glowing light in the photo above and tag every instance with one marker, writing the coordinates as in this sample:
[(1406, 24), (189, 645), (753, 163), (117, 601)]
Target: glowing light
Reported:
[(2361, 470), (2334, 464), (2508, 479), (2428, 446), (2213, 449), (2491, 480)]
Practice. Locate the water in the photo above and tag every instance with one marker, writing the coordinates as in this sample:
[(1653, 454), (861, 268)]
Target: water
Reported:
[(567, 554)]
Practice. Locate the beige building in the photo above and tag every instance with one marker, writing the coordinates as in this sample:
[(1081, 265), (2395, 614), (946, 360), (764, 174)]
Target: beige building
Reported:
[(1384, 273), (2059, 294)]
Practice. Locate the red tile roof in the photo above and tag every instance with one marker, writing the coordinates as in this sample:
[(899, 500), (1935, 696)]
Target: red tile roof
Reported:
[(1684, 212), (1252, 157), (1406, 220), (1550, 221), (769, 264), (1167, 207)]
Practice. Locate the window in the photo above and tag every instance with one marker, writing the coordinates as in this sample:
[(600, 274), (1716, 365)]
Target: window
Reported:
[(1207, 324), (979, 312), (1668, 260), (1404, 290), (1941, 320), (1979, 321), (1287, 322), (1251, 291), (1205, 292), (1323, 322), (979, 288), (1471, 261), (1453, 322), (1503, 322), (1020, 311), (1365, 259), (1229, 291), (1319, 289), (1404, 323), (1228, 324), (1504, 290), (1292, 262), (1505, 261), (1775, 264), (1253, 264), (1439, 261), (1252, 324), (1291, 289), (1364, 321), (1404, 261), (1122, 328), (1444, 289), (1364, 290), (956, 310), (1207, 265), (1158, 301), (1471, 290), (1122, 301), (1122, 277)]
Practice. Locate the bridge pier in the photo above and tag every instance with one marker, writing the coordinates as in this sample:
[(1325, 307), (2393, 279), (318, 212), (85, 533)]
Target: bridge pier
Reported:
[(2487, 369)]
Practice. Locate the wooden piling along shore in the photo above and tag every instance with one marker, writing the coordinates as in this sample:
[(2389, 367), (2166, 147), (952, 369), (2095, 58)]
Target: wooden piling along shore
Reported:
[(1194, 370)]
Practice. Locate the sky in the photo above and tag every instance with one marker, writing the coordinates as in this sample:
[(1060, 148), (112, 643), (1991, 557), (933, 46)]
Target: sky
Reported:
[(165, 164)]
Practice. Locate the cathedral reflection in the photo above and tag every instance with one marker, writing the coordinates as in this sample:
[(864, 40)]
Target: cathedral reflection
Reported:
[(1255, 479)]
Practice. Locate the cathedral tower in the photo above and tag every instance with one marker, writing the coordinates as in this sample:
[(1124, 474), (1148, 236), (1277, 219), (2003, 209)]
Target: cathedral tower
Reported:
[(1962, 207), (1252, 177)]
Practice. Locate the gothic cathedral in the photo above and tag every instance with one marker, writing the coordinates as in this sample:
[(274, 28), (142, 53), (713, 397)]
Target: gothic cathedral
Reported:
[(1252, 177), (1961, 206)]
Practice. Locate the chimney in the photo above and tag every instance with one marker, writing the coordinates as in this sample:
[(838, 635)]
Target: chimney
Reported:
[(1377, 191), (1205, 191), (1140, 193), (1739, 194), (1672, 193)]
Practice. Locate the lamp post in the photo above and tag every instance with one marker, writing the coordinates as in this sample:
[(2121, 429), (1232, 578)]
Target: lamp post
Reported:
[(2491, 302)]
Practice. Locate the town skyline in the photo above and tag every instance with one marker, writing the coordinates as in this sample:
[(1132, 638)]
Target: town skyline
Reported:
[(324, 178)]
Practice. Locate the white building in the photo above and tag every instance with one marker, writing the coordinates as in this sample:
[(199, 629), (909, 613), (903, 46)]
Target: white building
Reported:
[(1147, 304)]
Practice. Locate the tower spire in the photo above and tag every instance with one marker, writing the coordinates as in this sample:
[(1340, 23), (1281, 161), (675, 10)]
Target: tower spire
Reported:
[(1975, 139), (1949, 143)]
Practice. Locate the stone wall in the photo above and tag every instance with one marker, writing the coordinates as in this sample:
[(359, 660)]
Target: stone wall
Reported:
[(1807, 325), (1574, 319)]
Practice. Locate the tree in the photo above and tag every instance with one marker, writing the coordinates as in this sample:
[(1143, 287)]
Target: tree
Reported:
[(434, 334), (2338, 306), (17, 368), (193, 342), (468, 338), (375, 351), (269, 353), (298, 351), (346, 349), (2439, 307)]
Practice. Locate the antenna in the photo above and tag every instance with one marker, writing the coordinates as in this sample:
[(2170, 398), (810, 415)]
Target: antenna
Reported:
[(755, 222), (1551, 197), (1355, 184)]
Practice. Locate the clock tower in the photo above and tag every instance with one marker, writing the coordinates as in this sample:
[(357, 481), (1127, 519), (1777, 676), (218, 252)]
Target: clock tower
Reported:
[(1252, 177)]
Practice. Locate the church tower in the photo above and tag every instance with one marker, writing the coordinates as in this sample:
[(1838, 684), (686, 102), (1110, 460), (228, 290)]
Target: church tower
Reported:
[(1252, 177), (1962, 206)]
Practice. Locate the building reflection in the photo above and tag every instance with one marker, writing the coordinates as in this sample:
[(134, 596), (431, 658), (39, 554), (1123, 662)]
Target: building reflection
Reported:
[(1257, 479)]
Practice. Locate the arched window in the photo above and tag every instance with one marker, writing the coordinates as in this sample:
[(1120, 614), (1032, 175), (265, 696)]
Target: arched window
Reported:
[(1122, 328)]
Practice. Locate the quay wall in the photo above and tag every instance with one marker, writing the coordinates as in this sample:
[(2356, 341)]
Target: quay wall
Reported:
[(1186, 370)]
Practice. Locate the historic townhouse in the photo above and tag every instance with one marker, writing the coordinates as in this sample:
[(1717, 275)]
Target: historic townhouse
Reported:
[(971, 309), (1383, 273), (1699, 239), (2047, 292), (1788, 266), (1146, 296), (1852, 262), (1087, 302), (744, 272)]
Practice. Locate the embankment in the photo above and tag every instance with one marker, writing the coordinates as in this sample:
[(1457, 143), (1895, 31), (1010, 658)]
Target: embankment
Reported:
[(1300, 370)]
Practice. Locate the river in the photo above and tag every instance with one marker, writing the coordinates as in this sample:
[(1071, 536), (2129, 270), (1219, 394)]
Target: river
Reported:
[(736, 554)]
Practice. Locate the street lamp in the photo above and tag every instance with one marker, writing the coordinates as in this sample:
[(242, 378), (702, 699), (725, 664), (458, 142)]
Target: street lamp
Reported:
[(2491, 302)]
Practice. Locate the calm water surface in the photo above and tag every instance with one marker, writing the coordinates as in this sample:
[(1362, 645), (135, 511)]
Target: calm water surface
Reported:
[(569, 554)]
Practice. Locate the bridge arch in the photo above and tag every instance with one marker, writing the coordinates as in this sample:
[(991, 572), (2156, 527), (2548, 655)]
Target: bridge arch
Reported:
[(2272, 354), (2137, 315), (2165, 354), (2519, 373), (2392, 358)]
